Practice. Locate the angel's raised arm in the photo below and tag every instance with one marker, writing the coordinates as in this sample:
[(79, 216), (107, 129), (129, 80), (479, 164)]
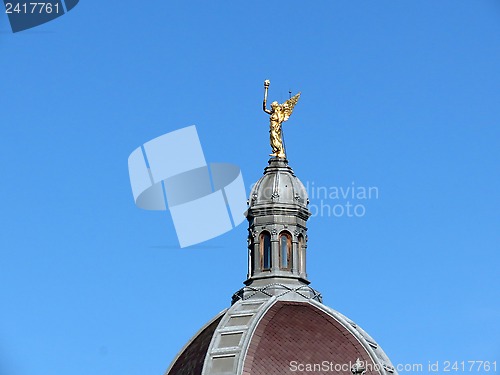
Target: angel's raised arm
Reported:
[(264, 103)]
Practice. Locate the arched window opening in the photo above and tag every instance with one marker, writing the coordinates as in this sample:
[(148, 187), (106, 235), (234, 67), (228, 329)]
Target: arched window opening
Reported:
[(285, 250), (265, 251)]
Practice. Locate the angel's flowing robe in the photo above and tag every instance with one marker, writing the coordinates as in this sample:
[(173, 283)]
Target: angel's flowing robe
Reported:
[(276, 119)]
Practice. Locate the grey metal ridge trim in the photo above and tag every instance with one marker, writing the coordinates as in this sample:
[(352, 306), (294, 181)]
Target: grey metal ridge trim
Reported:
[(315, 295)]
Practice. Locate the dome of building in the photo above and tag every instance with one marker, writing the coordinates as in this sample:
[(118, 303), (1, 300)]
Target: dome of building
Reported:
[(279, 335), (278, 185), (277, 324)]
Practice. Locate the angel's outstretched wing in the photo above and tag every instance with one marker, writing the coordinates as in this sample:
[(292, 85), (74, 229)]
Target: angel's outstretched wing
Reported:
[(289, 104)]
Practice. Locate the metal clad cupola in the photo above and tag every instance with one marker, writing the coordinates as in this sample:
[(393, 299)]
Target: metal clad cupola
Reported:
[(277, 215)]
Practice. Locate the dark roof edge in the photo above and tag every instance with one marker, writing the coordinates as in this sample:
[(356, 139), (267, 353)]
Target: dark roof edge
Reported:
[(220, 314)]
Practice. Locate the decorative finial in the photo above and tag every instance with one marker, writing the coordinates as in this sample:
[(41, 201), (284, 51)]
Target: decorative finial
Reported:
[(358, 368), (279, 113)]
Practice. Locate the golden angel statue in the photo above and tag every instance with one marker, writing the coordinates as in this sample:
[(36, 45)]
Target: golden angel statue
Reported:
[(279, 114)]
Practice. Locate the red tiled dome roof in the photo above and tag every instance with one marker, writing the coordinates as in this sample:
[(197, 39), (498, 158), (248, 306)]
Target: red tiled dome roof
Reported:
[(297, 334), (279, 336), (190, 360)]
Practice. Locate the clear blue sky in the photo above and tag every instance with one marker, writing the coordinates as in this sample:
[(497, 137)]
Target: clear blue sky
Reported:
[(400, 95)]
